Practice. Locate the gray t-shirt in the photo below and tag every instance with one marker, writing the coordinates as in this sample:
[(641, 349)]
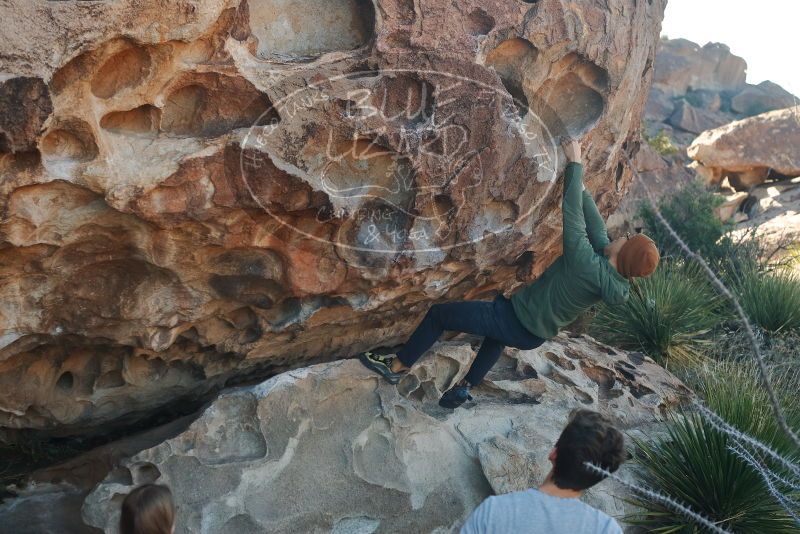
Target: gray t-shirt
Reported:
[(534, 512)]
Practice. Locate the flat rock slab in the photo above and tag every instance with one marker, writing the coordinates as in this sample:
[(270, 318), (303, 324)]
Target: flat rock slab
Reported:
[(332, 448)]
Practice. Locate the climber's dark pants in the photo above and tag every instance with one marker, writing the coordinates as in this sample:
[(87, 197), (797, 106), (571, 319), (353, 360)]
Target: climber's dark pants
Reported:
[(495, 320)]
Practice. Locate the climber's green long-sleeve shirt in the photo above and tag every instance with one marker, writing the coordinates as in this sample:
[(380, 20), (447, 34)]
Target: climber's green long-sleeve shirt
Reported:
[(581, 276)]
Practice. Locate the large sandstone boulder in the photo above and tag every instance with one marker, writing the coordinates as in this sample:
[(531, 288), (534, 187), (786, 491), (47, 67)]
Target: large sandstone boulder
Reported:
[(751, 150), (331, 448), (194, 191), (691, 92), (690, 80)]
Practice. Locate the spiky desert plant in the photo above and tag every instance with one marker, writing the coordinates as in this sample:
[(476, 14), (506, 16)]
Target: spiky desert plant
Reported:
[(668, 315), (698, 464), (770, 299)]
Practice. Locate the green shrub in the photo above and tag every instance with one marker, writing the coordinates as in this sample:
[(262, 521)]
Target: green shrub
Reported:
[(662, 144), (669, 315), (732, 344), (690, 212), (693, 464), (771, 300), (734, 391)]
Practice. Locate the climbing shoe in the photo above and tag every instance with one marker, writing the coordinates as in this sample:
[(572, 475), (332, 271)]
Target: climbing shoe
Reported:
[(381, 365), (455, 397)]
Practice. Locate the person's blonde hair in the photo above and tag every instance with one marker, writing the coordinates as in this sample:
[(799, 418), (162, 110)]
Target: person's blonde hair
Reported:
[(149, 509)]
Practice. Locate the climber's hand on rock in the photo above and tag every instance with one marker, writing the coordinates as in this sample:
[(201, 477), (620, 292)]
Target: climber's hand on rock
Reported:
[(572, 149)]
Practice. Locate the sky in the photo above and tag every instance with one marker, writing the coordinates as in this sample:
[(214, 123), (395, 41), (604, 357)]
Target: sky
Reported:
[(765, 33)]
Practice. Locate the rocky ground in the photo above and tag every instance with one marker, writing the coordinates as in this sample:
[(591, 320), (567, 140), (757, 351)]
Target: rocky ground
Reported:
[(331, 448), (772, 211)]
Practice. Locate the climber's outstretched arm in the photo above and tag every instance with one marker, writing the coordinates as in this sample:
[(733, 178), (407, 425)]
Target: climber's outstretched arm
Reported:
[(577, 247), (595, 227)]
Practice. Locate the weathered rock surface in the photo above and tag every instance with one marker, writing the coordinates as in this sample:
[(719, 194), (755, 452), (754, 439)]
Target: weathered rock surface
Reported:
[(659, 106), (749, 151), (26, 105), (153, 244), (766, 96), (331, 448), (50, 499), (682, 65), (773, 211), (694, 120), (730, 206)]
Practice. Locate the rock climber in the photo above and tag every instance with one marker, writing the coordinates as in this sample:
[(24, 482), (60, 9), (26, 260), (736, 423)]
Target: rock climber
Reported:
[(590, 269)]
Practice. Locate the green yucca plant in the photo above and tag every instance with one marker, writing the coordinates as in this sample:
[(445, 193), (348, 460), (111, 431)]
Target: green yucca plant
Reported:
[(771, 300), (734, 391), (668, 315), (693, 463)]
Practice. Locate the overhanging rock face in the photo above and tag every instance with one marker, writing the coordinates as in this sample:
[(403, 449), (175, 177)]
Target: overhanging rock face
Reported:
[(194, 189)]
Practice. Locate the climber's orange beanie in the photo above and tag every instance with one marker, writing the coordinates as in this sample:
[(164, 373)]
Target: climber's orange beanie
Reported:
[(638, 257)]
